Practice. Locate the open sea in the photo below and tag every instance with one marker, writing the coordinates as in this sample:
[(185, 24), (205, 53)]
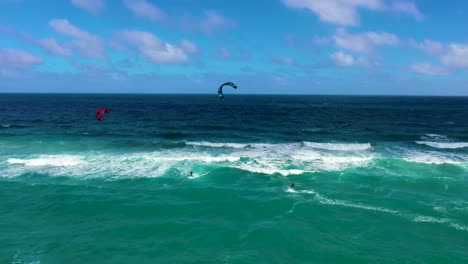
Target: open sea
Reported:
[(377, 179)]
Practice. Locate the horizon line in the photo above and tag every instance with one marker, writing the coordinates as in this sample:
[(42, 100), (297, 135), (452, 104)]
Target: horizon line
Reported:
[(237, 94)]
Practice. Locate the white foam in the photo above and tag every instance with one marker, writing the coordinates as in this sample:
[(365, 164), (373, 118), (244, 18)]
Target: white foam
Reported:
[(431, 158), (323, 162), (6, 125), (284, 159), (339, 146), (450, 222), (117, 166), (459, 227), (324, 146), (436, 136), (328, 201), (323, 200), (269, 170), (430, 219), (206, 159), (48, 160), (294, 158), (217, 145), (283, 146), (440, 209), (444, 145), (240, 146), (414, 218), (308, 191)]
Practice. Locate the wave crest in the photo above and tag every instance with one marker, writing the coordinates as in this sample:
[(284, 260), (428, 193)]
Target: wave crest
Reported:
[(339, 146), (51, 161), (444, 145)]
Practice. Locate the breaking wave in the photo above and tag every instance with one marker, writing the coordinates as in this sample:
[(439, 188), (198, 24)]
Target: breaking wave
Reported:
[(444, 145)]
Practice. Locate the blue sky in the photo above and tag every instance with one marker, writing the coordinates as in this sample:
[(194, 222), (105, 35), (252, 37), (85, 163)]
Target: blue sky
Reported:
[(265, 46)]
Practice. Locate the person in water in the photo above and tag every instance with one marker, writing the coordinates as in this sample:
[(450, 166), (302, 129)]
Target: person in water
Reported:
[(191, 174), (292, 185)]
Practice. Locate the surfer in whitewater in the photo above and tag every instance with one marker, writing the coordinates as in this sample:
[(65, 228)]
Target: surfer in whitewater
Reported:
[(191, 174), (292, 186)]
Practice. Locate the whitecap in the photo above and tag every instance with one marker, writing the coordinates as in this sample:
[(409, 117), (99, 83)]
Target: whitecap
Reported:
[(217, 145), (48, 160), (269, 170), (431, 158), (339, 146), (444, 145), (436, 136)]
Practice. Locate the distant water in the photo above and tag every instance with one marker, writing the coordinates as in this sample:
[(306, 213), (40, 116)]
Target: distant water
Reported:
[(378, 179)]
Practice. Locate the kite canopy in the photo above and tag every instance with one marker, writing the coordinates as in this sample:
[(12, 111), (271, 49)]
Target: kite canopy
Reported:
[(100, 113), (220, 89)]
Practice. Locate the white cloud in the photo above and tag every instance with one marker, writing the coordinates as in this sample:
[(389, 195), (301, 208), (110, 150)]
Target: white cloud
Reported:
[(452, 55), (430, 47), (144, 9), (189, 46), (92, 6), (342, 59), (153, 49), (51, 46), (364, 42), (456, 55), (345, 12), (87, 44), (428, 69), (407, 8), (341, 12), (18, 59), (215, 21), (48, 44)]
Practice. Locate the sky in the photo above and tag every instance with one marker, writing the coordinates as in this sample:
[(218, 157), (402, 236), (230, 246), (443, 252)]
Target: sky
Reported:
[(355, 47)]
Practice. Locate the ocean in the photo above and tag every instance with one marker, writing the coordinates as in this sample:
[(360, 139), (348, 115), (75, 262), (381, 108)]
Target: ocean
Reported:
[(377, 179)]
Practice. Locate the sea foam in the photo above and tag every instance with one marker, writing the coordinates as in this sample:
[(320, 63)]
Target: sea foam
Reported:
[(444, 145), (51, 160), (339, 146)]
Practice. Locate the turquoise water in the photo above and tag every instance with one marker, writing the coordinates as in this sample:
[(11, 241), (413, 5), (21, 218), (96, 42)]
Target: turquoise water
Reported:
[(377, 179)]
